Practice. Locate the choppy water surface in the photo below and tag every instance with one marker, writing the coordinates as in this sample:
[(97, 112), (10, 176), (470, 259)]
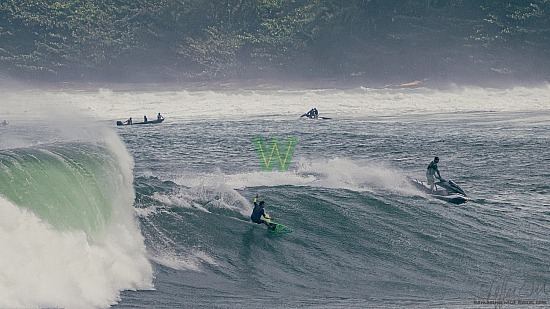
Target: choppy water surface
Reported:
[(362, 236)]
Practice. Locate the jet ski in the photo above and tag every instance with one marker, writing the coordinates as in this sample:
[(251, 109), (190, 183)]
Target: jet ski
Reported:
[(446, 190), (314, 117)]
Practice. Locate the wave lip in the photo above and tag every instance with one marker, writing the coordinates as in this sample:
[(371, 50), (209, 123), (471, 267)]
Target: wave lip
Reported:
[(67, 185)]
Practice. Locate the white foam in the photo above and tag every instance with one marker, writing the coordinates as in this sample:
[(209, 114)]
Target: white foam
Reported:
[(191, 105), (44, 267), (212, 190), (336, 173), (268, 179), (41, 266), (187, 105), (192, 260)]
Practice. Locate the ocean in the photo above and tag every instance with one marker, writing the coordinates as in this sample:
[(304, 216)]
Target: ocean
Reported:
[(157, 216)]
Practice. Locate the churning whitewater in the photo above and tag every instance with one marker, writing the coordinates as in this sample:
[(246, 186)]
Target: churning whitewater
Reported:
[(157, 216), (68, 235)]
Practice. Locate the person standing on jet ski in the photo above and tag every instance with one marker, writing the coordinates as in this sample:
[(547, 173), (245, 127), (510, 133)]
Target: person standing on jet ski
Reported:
[(258, 212), (431, 173)]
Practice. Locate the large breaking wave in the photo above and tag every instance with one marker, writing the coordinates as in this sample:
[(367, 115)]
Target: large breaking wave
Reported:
[(68, 236)]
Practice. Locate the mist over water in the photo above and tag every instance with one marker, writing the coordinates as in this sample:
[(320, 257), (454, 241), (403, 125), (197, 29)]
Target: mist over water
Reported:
[(133, 100)]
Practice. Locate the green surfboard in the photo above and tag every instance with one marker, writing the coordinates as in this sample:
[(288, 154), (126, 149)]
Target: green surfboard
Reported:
[(280, 228)]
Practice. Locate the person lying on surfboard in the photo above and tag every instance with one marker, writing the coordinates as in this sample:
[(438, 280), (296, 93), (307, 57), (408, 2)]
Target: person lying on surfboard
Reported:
[(258, 212)]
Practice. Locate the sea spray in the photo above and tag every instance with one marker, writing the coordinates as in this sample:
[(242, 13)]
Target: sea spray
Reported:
[(68, 236)]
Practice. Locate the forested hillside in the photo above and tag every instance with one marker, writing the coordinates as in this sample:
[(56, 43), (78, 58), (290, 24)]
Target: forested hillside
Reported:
[(371, 40)]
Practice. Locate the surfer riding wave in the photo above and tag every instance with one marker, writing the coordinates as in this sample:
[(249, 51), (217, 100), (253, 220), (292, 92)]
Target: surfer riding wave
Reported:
[(258, 212)]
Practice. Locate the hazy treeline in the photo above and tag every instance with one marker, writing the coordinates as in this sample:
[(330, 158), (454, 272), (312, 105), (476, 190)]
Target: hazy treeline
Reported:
[(168, 40)]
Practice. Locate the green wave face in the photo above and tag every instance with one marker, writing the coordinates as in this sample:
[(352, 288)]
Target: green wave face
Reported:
[(71, 186)]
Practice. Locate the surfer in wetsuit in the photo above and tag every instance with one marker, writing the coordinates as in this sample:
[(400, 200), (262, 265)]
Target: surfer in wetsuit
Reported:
[(159, 117), (258, 212), (431, 173), (129, 121), (315, 113)]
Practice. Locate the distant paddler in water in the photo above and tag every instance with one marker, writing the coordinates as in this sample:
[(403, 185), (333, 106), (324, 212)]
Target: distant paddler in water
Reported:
[(258, 212), (4, 123)]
